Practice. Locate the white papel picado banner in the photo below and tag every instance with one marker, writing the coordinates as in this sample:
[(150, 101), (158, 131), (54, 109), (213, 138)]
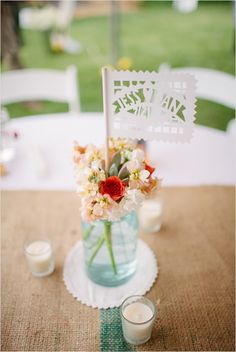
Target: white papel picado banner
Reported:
[(149, 105)]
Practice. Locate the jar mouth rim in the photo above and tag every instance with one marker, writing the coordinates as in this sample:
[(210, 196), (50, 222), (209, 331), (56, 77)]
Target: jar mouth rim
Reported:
[(111, 221), (154, 312)]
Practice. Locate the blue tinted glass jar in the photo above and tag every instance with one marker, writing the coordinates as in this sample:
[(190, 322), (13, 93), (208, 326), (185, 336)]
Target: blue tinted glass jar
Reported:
[(110, 249)]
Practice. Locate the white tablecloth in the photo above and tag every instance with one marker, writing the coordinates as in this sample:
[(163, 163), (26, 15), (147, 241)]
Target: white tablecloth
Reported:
[(208, 159)]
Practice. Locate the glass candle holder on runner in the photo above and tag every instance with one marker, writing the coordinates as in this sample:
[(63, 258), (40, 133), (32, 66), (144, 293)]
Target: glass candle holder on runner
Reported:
[(39, 255), (110, 249), (137, 316)]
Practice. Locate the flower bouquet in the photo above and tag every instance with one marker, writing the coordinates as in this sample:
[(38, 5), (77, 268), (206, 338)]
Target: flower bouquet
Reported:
[(109, 200)]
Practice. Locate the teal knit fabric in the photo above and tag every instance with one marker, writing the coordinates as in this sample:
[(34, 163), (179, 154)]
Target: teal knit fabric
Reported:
[(111, 338)]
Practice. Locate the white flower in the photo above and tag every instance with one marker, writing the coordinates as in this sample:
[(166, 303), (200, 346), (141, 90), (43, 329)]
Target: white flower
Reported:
[(135, 196), (143, 175), (138, 175), (138, 178), (125, 155), (88, 189), (88, 180), (134, 165), (100, 207), (138, 154), (96, 164), (95, 176), (93, 154), (98, 210), (122, 144), (132, 200)]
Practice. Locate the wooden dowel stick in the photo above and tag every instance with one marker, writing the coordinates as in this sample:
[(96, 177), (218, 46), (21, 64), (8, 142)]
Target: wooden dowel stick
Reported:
[(105, 91)]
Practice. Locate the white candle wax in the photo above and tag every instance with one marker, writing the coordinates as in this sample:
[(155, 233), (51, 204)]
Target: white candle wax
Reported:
[(137, 325), (137, 312), (150, 215), (40, 258)]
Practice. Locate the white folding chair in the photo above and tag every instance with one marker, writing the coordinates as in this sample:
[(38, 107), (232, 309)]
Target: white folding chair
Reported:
[(231, 128), (216, 86), (41, 84)]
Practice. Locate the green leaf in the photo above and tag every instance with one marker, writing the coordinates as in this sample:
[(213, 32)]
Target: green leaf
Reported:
[(113, 170), (124, 172), (116, 159)]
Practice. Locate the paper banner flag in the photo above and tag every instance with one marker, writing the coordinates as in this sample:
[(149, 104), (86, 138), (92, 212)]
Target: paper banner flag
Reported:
[(149, 105)]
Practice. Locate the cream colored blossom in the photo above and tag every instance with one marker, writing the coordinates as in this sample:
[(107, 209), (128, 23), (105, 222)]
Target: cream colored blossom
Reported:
[(88, 189), (138, 154), (119, 144), (96, 175), (134, 165), (93, 154), (125, 155), (99, 207), (132, 200), (138, 178)]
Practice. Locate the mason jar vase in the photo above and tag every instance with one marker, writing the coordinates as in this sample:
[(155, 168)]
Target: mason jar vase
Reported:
[(110, 249)]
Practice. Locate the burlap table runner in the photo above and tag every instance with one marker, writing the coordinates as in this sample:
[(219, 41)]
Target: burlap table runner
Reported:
[(195, 250)]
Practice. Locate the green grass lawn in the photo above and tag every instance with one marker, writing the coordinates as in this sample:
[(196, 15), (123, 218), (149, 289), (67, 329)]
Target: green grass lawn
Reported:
[(149, 36)]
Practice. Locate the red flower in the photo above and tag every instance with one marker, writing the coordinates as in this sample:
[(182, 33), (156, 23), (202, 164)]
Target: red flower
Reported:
[(149, 168), (112, 186)]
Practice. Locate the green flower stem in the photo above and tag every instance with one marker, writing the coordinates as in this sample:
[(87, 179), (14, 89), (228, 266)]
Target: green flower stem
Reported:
[(107, 233), (96, 249), (87, 232)]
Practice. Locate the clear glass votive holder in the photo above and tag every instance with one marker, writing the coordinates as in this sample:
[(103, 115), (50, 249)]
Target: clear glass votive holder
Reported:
[(40, 257), (150, 214), (137, 316)]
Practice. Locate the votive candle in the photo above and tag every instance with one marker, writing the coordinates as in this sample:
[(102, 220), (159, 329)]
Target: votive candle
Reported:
[(137, 315), (40, 257), (150, 215)]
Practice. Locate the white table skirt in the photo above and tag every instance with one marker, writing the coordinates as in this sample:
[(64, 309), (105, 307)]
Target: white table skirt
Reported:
[(43, 158)]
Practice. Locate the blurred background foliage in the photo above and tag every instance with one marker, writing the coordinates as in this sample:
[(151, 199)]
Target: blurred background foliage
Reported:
[(152, 33)]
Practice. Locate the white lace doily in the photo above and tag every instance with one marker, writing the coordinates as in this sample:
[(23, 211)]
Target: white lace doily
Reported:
[(96, 296)]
